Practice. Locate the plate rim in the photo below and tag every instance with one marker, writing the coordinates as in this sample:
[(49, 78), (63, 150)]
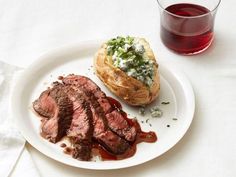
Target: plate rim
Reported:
[(185, 83)]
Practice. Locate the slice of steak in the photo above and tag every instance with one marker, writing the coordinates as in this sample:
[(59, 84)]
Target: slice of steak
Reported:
[(112, 143), (121, 126), (55, 105), (81, 128), (102, 134), (115, 120), (45, 105)]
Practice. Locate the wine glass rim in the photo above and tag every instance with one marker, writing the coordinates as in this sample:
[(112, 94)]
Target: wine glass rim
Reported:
[(196, 16)]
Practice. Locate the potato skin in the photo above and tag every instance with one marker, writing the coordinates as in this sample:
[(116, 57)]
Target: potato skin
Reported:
[(131, 90)]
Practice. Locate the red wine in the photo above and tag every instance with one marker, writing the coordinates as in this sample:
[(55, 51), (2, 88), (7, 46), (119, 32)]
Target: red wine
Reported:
[(188, 28)]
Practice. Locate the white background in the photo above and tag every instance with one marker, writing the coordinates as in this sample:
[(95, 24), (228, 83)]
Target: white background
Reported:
[(29, 28)]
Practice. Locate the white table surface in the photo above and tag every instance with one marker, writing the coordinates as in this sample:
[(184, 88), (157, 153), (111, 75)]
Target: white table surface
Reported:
[(29, 28)]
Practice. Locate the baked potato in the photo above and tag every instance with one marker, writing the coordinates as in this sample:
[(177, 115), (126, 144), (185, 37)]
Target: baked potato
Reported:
[(128, 68)]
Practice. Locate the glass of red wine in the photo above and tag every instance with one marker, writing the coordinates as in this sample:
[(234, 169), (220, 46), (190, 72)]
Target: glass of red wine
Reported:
[(187, 27)]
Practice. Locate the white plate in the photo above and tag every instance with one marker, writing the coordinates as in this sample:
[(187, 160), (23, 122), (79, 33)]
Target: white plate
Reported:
[(78, 59)]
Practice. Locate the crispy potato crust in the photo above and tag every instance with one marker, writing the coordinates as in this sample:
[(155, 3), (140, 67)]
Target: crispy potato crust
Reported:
[(131, 90)]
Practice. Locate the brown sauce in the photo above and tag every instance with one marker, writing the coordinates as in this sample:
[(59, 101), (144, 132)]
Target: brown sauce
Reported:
[(68, 150), (98, 150), (116, 104), (60, 78), (63, 145)]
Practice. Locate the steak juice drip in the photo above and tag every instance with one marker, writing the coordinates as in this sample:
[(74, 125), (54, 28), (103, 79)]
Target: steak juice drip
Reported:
[(187, 28)]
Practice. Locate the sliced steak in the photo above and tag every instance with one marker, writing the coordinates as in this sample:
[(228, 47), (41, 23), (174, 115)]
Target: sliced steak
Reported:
[(77, 107), (121, 126), (113, 117), (81, 128), (57, 108), (102, 133), (45, 105), (112, 143)]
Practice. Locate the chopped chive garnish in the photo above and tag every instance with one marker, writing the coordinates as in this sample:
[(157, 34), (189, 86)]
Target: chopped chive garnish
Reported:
[(142, 111), (128, 54), (165, 102)]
